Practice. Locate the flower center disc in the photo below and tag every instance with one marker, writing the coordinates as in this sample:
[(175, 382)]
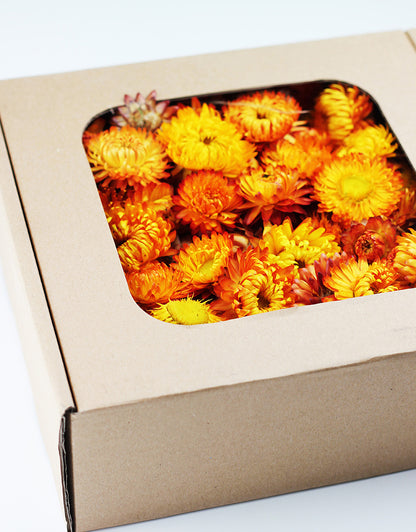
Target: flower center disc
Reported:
[(187, 312), (206, 268), (355, 187), (262, 301)]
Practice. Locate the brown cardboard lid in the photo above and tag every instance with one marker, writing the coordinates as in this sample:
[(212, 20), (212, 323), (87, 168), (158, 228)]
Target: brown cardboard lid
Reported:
[(38, 339), (114, 352)]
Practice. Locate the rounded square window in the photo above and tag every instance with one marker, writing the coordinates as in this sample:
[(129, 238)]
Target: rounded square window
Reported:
[(229, 205)]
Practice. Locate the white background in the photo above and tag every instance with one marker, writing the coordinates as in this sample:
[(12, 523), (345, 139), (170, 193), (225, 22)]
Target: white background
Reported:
[(48, 36)]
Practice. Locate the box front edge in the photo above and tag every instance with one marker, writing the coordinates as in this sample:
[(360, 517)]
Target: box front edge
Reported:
[(50, 386)]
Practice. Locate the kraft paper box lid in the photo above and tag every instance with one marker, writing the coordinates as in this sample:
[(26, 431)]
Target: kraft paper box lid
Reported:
[(49, 380), (74, 294), (113, 351)]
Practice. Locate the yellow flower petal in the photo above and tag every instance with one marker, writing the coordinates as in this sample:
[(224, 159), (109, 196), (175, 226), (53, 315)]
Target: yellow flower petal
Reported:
[(340, 109), (264, 116), (355, 188), (405, 258), (126, 156), (140, 235), (297, 247), (206, 201), (202, 140), (185, 312)]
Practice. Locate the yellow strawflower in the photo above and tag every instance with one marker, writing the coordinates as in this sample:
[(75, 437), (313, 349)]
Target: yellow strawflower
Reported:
[(202, 140), (355, 188)]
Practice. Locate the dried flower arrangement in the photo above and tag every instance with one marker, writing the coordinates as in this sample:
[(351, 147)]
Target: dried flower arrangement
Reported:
[(251, 203)]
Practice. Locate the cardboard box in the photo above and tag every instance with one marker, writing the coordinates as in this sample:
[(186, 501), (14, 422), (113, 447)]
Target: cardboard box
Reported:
[(144, 419)]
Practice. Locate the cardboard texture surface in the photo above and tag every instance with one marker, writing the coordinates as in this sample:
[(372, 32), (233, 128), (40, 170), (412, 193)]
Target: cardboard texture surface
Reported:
[(49, 381), (174, 418), (76, 252), (243, 442)]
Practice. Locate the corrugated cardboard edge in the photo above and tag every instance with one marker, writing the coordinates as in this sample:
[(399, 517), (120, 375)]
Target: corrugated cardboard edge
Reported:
[(66, 469), (50, 385)]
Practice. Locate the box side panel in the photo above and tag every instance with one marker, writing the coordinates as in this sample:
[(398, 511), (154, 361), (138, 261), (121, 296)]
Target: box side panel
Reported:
[(49, 383), (187, 452)]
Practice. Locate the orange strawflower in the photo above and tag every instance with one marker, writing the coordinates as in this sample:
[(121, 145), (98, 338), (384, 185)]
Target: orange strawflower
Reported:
[(379, 278), (251, 285), (344, 278), (354, 278), (155, 196), (321, 219), (316, 143), (201, 140), (405, 212), (339, 110), (302, 153), (275, 191), (372, 240), (140, 235), (242, 263), (355, 188), (372, 141), (404, 261), (185, 312), (154, 283), (206, 201), (203, 261), (126, 156), (264, 116), (263, 292), (297, 247)]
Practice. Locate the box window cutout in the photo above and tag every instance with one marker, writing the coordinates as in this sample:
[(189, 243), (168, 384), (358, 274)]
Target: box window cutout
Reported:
[(229, 205)]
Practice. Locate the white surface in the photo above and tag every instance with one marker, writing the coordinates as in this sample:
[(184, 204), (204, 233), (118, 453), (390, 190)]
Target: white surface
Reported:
[(48, 36)]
